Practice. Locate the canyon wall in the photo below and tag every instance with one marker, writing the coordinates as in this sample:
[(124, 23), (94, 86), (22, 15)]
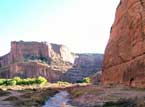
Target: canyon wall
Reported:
[(34, 69), (53, 61), (5, 60), (85, 65), (32, 59), (51, 52), (125, 53)]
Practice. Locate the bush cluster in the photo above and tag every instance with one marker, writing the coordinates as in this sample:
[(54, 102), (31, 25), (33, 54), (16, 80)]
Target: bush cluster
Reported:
[(85, 80), (36, 58), (21, 81)]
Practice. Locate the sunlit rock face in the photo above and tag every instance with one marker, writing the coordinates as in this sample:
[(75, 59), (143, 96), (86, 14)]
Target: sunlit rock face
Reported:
[(21, 50), (125, 53), (35, 69), (54, 62), (32, 59)]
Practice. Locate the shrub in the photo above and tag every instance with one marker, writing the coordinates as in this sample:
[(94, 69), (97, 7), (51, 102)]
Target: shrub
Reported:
[(79, 81), (20, 81), (2, 81), (11, 82), (86, 80), (17, 79), (41, 80), (27, 81)]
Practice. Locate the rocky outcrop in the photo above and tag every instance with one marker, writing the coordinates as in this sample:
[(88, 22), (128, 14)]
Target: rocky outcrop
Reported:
[(125, 53)]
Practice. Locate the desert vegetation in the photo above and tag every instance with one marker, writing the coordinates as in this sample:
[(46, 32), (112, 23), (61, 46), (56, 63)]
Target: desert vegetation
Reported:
[(23, 81), (85, 80), (41, 59)]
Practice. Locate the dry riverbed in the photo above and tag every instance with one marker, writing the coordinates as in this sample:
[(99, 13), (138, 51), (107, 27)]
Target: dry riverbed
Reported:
[(81, 95), (29, 96)]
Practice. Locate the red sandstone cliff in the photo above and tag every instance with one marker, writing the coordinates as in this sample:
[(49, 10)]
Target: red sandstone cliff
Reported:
[(23, 50), (125, 53), (32, 59), (53, 61)]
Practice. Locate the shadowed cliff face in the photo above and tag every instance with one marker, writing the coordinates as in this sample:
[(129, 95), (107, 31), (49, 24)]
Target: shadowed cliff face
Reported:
[(124, 55), (85, 65)]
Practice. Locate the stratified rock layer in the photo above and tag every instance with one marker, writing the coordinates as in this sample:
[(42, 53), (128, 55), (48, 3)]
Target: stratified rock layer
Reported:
[(23, 50), (85, 65), (33, 59), (54, 62), (124, 61)]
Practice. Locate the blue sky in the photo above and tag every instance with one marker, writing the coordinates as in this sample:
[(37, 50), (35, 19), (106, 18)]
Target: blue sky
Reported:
[(82, 25)]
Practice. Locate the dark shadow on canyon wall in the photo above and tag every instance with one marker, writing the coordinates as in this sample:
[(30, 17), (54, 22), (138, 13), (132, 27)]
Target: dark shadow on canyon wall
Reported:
[(85, 65)]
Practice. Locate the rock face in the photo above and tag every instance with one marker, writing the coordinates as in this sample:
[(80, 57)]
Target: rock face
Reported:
[(5, 60), (54, 62), (35, 69), (21, 50), (85, 65), (125, 53), (32, 59)]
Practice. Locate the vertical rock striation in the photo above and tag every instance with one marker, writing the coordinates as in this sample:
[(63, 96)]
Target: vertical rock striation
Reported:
[(85, 65), (33, 59), (23, 50)]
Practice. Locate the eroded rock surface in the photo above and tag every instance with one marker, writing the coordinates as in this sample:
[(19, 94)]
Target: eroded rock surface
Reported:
[(85, 65), (54, 62), (33, 59), (125, 53)]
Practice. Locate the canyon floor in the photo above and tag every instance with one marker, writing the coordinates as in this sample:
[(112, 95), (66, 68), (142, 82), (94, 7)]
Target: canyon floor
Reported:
[(81, 95)]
